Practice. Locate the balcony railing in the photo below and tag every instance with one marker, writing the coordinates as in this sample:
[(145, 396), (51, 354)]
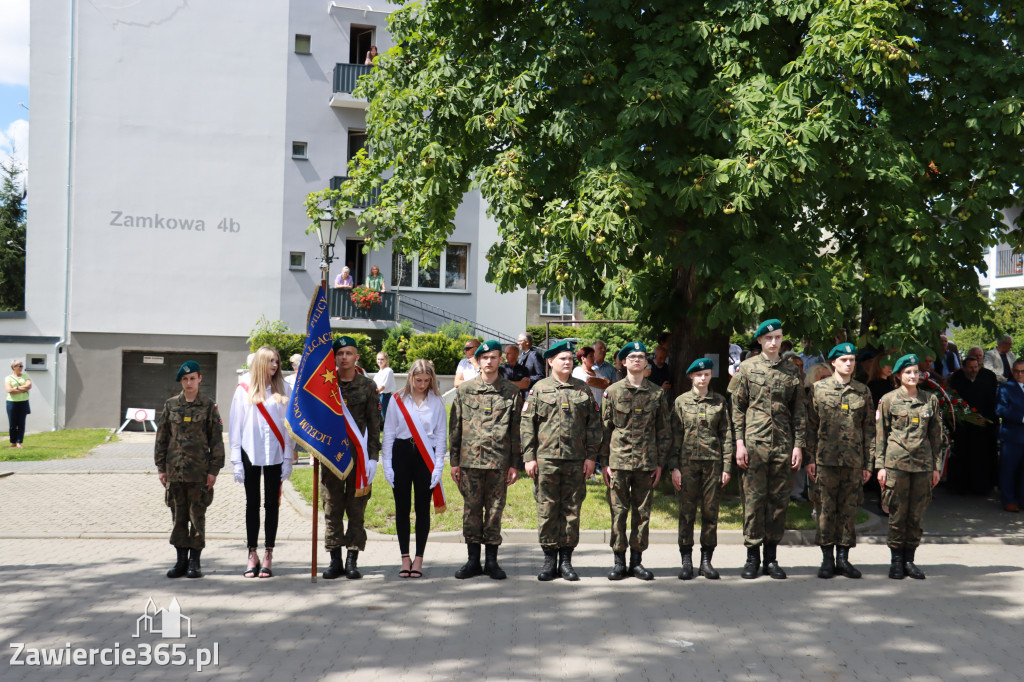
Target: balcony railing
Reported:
[(363, 202), (346, 75), (339, 302), (1008, 263)]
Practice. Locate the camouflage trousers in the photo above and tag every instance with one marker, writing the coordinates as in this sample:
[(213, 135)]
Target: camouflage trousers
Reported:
[(907, 493), (839, 492), (188, 503), (483, 494), (766, 484), (702, 479), (339, 500), (630, 491), (559, 490)]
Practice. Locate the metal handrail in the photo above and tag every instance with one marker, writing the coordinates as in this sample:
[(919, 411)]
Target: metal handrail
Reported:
[(408, 302), (347, 75)]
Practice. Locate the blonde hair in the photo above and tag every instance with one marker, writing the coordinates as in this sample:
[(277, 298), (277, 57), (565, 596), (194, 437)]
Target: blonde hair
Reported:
[(260, 379), (17, 363), (421, 366), (815, 373)]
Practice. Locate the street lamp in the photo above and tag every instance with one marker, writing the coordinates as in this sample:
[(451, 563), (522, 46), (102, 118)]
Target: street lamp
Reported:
[(327, 233)]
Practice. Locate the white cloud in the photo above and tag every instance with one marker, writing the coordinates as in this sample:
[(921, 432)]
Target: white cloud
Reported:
[(15, 139), (14, 42)]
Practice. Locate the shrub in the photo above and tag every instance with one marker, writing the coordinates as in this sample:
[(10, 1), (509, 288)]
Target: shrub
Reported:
[(278, 336), (558, 331), (454, 330), (443, 351), (367, 355)]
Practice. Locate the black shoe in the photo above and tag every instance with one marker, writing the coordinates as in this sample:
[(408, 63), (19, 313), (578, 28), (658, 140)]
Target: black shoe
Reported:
[(752, 568), (771, 565), (618, 571), (351, 569), (896, 567), (565, 568), (335, 570), (195, 570), (909, 569), (686, 573), (636, 569), (843, 565), (491, 566), (472, 566), (828, 562), (706, 569), (549, 572), (180, 567)]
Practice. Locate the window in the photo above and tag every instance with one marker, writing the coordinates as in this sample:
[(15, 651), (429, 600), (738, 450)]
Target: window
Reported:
[(360, 41), (299, 150), (296, 260), (302, 44), (356, 141), (560, 308), (411, 272)]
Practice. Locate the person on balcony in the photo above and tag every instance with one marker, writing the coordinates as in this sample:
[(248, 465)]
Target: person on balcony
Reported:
[(371, 55), (344, 279), (376, 280)]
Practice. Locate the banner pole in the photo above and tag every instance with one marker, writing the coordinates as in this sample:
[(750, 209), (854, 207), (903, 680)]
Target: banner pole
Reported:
[(316, 511)]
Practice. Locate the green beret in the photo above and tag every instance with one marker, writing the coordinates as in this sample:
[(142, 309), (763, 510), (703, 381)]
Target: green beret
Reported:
[(559, 348), (700, 364), (767, 326), (187, 368), (904, 362), (841, 350), (487, 346), (632, 347), (344, 342)]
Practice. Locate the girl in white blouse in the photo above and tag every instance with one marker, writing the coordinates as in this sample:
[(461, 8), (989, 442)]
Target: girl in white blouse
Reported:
[(260, 446), (404, 465)]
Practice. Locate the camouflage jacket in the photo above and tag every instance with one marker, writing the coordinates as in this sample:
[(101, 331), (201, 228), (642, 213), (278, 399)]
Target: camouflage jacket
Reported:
[(840, 425), (909, 436), (360, 395), (561, 421), (637, 432), (768, 403), (189, 439), (483, 429), (701, 430)]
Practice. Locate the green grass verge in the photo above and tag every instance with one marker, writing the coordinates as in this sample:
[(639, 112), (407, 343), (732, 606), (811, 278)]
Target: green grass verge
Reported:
[(66, 444)]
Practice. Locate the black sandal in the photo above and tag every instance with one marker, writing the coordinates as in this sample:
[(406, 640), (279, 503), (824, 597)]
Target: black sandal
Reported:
[(264, 571), (405, 572), (251, 572), (414, 573)]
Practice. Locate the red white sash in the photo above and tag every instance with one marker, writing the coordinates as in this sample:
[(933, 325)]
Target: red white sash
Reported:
[(266, 417), (358, 439), (440, 504)]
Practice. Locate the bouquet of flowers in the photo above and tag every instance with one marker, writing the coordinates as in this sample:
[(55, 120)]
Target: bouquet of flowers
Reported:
[(365, 297)]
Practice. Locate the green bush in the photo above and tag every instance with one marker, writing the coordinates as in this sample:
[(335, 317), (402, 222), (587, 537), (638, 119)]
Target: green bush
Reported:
[(443, 351), (278, 336), (558, 331), (367, 353), (454, 330)]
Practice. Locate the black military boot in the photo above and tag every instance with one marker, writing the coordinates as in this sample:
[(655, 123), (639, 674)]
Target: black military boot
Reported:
[(753, 565), (491, 566), (565, 568), (351, 569), (195, 570), (618, 571), (636, 569), (336, 569), (181, 565), (472, 566), (828, 562), (843, 565), (686, 573), (771, 565), (706, 569), (909, 568), (548, 572), (896, 567)]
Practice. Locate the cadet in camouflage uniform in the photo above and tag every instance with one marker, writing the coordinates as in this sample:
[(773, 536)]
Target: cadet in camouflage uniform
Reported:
[(561, 442), (701, 464), (189, 453), (484, 449), (908, 456), (840, 455), (339, 496), (637, 441), (769, 418)]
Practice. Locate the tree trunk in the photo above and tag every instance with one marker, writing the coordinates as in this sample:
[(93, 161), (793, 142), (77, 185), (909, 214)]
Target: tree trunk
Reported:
[(691, 338)]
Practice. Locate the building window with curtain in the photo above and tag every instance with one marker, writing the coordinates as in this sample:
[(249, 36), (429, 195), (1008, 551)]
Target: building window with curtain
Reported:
[(412, 272)]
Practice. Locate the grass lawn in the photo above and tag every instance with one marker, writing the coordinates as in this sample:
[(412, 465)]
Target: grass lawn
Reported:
[(66, 444)]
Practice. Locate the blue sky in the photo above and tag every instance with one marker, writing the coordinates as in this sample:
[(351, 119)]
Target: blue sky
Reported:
[(14, 79)]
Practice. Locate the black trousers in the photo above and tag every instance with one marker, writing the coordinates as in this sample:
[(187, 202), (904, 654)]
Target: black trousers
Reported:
[(271, 501), (16, 413), (411, 472)]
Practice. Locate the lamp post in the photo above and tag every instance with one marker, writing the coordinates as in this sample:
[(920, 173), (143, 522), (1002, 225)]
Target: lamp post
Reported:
[(327, 233)]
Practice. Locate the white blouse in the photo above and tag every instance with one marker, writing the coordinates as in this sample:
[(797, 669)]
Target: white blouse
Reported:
[(433, 419), (385, 379), (249, 431)]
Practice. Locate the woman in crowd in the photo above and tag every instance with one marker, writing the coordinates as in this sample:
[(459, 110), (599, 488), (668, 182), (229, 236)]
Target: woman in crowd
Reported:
[(909, 462), (385, 381), (415, 432), (260, 446), (370, 56), (376, 280), (344, 279), (17, 388), (585, 372), (467, 368)]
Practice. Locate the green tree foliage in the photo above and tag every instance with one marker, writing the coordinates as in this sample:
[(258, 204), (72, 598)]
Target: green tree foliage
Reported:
[(277, 335), (396, 344), (12, 238), (708, 164), (444, 351), (1008, 318), (454, 330)]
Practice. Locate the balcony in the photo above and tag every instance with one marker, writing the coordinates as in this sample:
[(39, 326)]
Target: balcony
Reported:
[(339, 303), (345, 78), (364, 202), (1008, 263)]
